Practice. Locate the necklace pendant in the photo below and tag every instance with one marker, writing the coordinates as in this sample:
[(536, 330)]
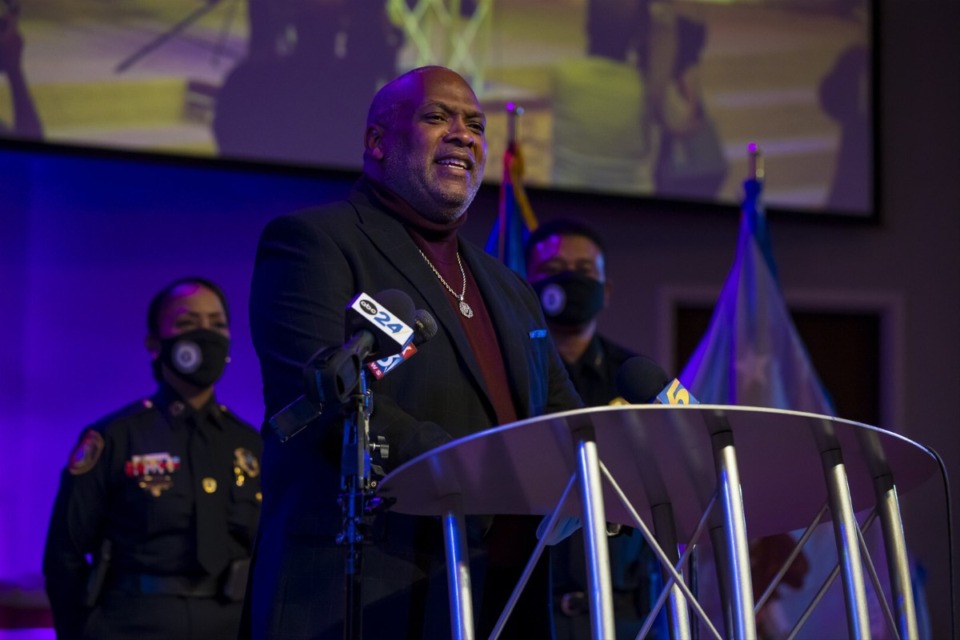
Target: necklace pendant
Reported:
[(465, 309)]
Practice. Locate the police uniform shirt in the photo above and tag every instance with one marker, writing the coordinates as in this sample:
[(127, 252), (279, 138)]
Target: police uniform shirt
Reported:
[(175, 490), (594, 374)]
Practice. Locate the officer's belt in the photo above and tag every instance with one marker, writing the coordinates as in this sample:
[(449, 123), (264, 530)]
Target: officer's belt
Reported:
[(146, 584), (574, 604)]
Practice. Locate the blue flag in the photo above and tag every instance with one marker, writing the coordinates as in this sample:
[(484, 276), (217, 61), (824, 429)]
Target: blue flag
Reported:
[(751, 353), (515, 220)]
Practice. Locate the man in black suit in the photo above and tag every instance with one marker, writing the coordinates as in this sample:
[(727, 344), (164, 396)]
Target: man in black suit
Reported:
[(490, 363)]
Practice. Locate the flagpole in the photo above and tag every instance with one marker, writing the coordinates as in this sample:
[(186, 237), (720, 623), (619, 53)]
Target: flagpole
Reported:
[(514, 111), (755, 162), (514, 220)]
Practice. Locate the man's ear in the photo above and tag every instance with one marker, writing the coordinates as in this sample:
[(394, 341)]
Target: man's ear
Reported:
[(373, 141), (607, 290)]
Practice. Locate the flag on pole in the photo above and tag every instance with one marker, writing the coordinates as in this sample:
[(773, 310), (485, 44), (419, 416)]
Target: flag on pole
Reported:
[(515, 219), (751, 353)]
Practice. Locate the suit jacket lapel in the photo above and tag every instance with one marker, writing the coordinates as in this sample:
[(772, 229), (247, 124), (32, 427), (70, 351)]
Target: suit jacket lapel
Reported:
[(393, 241)]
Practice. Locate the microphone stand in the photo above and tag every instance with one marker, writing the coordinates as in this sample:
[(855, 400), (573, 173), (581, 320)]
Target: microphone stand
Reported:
[(356, 501), (336, 375)]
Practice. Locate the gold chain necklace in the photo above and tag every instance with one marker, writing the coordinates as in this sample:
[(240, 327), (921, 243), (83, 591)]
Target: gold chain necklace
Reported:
[(464, 307)]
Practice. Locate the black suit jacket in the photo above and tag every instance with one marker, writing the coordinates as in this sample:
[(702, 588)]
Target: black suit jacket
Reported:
[(309, 266)]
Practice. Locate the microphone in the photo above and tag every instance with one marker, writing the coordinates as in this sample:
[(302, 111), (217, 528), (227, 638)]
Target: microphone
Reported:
[(640, 379), (643, 381), (372, 329), (425, 327)]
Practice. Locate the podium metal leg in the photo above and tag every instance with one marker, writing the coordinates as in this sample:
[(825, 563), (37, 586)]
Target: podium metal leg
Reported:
[(458, 570), (678, 614), (595, 539), (848, 550), (726, 580), (658, 551), (737, 550), (898, 566)]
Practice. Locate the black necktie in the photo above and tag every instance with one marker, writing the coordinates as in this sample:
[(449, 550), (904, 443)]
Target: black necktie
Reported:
[(211, 516)]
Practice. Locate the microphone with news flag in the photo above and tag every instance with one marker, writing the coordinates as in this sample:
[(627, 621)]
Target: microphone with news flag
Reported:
[(375, 328), (640, 380), (425, 327)]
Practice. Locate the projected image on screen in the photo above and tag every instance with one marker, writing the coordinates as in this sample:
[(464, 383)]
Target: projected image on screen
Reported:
[(629, 97)]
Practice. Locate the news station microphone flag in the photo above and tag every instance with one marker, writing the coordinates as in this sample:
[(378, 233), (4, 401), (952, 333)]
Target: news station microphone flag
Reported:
[(751, 354), (515, 219)]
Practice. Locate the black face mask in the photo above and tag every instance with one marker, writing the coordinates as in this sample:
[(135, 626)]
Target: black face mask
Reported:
[(570, 298), (197, 356)]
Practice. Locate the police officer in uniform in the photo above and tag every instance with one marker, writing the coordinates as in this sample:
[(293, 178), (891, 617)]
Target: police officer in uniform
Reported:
[(566, 266), (163, 495)]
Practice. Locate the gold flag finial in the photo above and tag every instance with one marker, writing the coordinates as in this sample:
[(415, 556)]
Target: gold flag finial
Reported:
[(756, 162), (514, 111)]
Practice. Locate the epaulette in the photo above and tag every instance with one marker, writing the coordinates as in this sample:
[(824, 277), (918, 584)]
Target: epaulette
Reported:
[(128, 412), (232, 417)]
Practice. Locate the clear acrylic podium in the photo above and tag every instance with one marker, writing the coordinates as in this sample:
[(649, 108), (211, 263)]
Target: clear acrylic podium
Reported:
[(685, 470)]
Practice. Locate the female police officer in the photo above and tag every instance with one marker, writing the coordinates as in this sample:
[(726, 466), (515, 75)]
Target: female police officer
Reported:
[(163, 494)]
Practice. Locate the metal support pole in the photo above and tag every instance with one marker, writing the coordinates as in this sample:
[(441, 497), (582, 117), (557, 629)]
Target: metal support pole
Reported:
[(725, 577), (458, 570), (595, 536), (678, 614), (888, 510), (737, 550), (848, 549), (888, 507)]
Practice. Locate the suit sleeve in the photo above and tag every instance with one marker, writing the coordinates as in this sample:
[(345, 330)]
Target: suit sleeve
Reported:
[(302, 283), (561, 394), (76, 529)]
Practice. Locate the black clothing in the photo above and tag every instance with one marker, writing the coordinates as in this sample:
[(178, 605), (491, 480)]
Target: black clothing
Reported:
[(594, 375), (176, 492), (309, 266)]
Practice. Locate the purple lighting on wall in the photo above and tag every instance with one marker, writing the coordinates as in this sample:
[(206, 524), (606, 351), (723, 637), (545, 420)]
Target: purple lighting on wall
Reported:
[(85, 245)]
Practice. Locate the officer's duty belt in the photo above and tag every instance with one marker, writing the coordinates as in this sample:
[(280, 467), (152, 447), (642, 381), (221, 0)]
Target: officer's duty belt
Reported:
[(574, 604), (187, 586)]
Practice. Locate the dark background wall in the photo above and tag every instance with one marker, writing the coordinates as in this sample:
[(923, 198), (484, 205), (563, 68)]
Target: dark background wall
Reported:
[(87, 240)]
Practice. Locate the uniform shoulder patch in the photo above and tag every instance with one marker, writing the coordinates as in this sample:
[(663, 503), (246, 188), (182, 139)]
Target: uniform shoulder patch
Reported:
[(86, 454)]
